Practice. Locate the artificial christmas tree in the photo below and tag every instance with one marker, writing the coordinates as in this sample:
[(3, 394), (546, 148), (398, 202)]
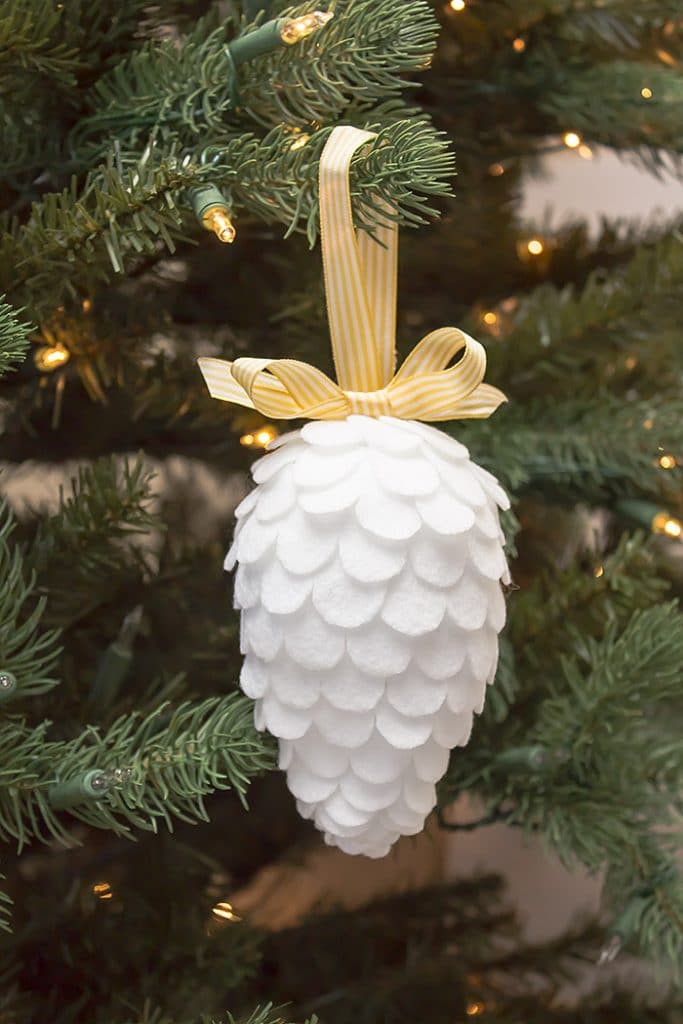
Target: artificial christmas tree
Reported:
[(154, 159)]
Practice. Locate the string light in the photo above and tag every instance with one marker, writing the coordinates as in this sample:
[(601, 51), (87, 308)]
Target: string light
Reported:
[(585, 152), (666, 524), (475, 1009), (490, 318), (599, 571), (630, 362), (300, 141), (495, 170), (519, 44), (646, 93), (666, 58), (86, 305), (648, 424), (49, 358), (457, 5), (572, 140), (297, 29), (260, 438), (535, 246), (224, 911), (103, 891), (668, 461), (216, 219)]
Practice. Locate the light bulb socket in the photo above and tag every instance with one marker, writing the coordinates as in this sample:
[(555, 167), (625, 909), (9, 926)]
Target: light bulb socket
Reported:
[(8, 684), (81, 789)]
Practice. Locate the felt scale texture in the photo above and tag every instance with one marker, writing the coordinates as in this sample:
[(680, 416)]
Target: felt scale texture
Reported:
[(369, 568)]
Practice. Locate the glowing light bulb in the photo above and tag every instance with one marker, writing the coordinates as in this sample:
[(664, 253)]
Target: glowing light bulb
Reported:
[(457, 5), (495, 170), (216, 219), (666, 524), (475, 1009), (535, 246), (668, 461), (630, 362), (49, 358), (585, 152), (247, 440), (572, 140), (300, 141), (103, 891), (86, 305), (224, 911), (646, 93), (490, 318), (519, 44), (296, 29), (648, 424), (599, 571)]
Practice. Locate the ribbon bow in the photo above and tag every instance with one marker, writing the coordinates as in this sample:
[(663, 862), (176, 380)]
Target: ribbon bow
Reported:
[(360, 284)]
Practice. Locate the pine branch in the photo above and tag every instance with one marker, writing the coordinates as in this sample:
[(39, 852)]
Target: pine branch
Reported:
[(74, 242), (14, 338), (28, 653), (84, 553), (172, 758)]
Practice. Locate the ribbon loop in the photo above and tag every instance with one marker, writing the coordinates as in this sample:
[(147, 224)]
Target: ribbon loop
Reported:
[(360, 283)]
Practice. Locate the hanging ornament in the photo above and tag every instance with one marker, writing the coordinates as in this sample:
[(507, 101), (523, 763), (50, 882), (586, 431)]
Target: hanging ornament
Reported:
[(369, 556)]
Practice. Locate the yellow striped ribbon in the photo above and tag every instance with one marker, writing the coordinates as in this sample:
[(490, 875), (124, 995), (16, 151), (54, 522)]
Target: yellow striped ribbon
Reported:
[(360, 284)]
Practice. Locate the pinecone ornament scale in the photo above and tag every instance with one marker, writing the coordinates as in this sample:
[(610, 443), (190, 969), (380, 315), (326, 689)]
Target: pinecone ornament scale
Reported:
[(369, 567)]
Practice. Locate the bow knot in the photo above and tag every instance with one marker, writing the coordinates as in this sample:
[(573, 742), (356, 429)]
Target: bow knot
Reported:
[(360, 284)]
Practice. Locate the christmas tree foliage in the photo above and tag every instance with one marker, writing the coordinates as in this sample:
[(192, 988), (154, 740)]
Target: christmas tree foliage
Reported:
[(136, 795)]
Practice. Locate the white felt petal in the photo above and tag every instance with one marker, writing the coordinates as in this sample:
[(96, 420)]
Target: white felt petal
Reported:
[(465, 691), (268, 465), (444, 514), (385, 434), (419, 796), (335, 498), (402, 731), (438, 560), (387, 517), (230, 560), (440, 654), (365, 795), (291, 437), (339, 808), (488, 556), (409, 476), (433, 438), (323, 820), (261, 633), (255, 540), (254, 677), (281, 592), (464, 485), (293, 685), (321, 756), (410, 822), (246, 505), (303, 547), (332, 433), (285, 754), (247, 587), (378, 761), (492, 487), (344, 728), (413, 693), (349, 689), (284, 721), (320, 468), (451, 729), (378, 650), (367, 559), (430, 761), (306, 808), (259, 722), (482, 652), (487, 522), (412, 607), (468, 602), (307, 786), (311, 643), (343, 601), (376, 850), (275, 498), (497, 609)]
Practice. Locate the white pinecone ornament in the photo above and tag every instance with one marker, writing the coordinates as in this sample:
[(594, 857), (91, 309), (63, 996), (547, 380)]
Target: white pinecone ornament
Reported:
[(369, 569)]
